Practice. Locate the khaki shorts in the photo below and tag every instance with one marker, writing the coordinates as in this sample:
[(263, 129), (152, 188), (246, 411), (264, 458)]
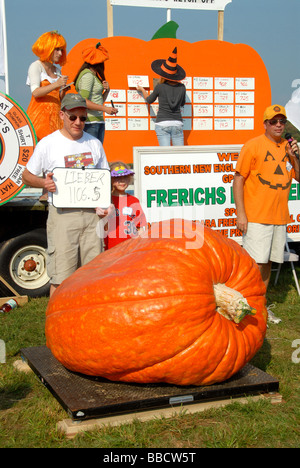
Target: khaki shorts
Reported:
[(265, 242), (72, 241)]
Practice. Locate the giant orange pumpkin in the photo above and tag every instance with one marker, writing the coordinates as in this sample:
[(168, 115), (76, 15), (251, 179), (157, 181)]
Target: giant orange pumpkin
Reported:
[(151, 310)]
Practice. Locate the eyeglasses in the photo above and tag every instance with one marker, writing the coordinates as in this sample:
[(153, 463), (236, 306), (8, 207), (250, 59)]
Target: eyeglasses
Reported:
[(73, 117), (275, 121)]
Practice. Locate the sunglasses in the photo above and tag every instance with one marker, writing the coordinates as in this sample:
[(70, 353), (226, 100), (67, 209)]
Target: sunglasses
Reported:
[(274, 121), (73, 117)]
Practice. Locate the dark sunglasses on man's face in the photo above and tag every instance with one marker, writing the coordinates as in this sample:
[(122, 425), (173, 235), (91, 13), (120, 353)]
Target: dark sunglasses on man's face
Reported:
[(73, 117), (274, 121)]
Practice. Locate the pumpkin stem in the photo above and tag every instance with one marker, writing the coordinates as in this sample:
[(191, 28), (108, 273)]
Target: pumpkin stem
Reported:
[(231, 304)]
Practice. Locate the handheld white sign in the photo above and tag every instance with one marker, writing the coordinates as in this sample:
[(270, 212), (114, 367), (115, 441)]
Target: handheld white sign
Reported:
[(81, 188)]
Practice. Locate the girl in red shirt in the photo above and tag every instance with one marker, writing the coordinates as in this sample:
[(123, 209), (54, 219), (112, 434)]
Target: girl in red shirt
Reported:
[(128, 217)]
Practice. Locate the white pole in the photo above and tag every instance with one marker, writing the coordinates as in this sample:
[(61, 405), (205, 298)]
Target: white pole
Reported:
[(168, 15), (5, 46)]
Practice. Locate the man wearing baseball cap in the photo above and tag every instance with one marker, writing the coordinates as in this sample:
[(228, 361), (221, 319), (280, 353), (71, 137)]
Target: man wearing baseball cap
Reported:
[(264, 172), (71, 233)]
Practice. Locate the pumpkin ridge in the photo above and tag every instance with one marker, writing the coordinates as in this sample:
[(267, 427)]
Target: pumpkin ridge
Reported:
[(128, 301), (201, 316), (123, 374), (220, 363), (132, 376), (159, 361), (247, 345), (197, 295)]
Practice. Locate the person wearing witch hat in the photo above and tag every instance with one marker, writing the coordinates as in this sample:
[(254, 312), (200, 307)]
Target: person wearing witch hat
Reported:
[(171, 98)]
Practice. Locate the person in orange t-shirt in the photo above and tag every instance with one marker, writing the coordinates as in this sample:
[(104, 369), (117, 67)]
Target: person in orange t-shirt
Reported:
[(264, 172)]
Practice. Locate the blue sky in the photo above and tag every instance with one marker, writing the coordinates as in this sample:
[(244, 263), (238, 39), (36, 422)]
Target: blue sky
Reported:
[(271, 27)]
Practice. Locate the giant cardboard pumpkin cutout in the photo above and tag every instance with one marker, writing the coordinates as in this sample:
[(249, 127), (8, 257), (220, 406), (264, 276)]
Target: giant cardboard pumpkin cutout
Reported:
[(228, 89)]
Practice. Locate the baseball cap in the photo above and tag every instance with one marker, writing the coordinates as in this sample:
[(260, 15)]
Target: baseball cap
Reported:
[(71, 101), (271, 111)]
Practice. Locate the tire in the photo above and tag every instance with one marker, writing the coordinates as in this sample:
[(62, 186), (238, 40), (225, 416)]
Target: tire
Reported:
[(23, 263)]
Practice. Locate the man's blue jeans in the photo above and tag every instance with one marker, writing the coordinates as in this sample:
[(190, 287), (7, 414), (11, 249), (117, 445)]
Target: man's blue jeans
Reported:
[(167, 134)]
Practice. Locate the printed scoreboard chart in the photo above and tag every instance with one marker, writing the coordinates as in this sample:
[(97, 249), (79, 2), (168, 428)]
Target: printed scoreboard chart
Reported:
[(17, 142), (212, 103), (195, 183)]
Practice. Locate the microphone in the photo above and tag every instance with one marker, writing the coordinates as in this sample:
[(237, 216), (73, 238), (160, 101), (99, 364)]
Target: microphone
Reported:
[(289, 138)]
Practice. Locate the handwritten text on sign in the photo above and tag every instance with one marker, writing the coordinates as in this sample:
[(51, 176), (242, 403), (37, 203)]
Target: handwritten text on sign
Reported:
[(137, 80), (81, 188)]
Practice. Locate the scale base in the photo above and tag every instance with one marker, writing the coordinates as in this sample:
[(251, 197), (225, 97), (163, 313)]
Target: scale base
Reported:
[(93, 401)]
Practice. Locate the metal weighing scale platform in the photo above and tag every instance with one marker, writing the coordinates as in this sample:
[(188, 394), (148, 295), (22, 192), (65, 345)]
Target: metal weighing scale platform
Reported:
[(85, 397)]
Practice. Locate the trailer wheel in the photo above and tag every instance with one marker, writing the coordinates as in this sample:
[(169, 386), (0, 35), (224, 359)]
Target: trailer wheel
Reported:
[(23, 263)]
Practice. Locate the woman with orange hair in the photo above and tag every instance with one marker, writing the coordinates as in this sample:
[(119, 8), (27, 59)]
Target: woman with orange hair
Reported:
[(45, 83), (90, 82)]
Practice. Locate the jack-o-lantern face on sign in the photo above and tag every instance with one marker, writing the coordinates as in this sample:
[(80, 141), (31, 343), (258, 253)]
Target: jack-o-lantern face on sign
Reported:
[(277, 171)]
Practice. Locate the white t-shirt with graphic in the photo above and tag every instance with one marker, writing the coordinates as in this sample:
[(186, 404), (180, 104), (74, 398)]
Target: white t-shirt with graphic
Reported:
[(55, 150)]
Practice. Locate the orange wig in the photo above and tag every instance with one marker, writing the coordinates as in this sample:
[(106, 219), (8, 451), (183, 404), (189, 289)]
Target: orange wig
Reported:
[(47, 43)]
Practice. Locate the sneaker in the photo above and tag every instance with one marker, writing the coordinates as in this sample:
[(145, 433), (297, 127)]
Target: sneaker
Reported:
[(271, 317)]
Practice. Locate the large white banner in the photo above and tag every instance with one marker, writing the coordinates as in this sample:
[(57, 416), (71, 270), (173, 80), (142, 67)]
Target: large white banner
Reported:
[(172, 4), (195, 183)]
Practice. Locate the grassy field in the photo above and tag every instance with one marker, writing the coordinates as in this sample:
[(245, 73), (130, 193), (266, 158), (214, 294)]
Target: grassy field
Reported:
[(29, 413)]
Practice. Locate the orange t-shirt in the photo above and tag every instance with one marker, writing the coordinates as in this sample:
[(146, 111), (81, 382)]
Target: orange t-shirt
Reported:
[(268, 174)]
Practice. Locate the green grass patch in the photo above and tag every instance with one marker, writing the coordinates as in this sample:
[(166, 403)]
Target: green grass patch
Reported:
[(29, 413)]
